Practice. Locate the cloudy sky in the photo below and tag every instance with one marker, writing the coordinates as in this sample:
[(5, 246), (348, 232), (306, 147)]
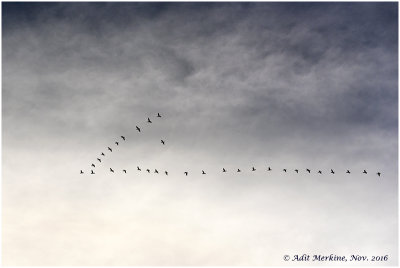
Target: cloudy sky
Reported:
[(285, 85)]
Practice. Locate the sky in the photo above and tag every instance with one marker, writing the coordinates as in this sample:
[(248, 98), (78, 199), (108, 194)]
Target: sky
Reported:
[(280, 85)]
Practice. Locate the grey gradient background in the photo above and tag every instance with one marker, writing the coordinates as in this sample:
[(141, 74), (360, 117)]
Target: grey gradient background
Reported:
[(286, 85)]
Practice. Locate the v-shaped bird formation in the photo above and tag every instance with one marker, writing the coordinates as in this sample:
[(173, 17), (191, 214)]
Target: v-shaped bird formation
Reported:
[(186, 173)]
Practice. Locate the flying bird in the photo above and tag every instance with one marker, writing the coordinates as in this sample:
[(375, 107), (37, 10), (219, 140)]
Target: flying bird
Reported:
[(124, 170), (155, 171), (333, 172), (103, 154), (111, 170), (148, 120), (158, 115), (93, 165), (238, 170), (365, 172), (91, 171), (109, 149), (284, 169), (81, 172), (163, 142), (138, 128), (138, 168), (297, 171), (319, 171), (202, 172), (379, 174), (116, 143), (186, 173), (309, 171), (166, 173), (253, 169), (348, 171), (148, 170), (223, 170), (269, 169), (99, 159), (123, 137)]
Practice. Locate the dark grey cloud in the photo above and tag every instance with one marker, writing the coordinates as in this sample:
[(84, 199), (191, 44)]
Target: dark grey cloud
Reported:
[(239, 84)]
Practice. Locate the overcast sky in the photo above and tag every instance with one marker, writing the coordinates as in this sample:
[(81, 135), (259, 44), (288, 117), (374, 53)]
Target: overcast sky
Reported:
[(285, 85)]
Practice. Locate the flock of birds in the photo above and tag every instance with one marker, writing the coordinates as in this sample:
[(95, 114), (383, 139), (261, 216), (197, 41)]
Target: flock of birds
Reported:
[(186, 173)]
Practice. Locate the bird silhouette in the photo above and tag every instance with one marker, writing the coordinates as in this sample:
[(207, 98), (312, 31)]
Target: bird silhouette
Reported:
[(93, 165), (223, 170), (123, 137), (124, 170), (379, 174), (111, 170), (333, 172), (348, 171), (81, 172), (116, 143), (158, 115), (238, 170), (186, 173), (91, 171), (319, 171), (284, 169), (365, 172), (148, 120), (163, 142), (103, 154), (269, 169), (309, 171), (138, 168), (166, 173), (109, 149), (138, 128), (148, 170), (253, 169), (297, 171), (155, 171), (99, 159), (202, 172)]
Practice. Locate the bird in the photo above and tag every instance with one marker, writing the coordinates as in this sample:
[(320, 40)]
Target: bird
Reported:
[(81, 172), (109, 149), (333, 172), (111, 170), (309, 171), (319, 171), (223, 170), (365, 172), (91, 171), (348, 171), (284, 169), (166, 173), (103, 154), (148, 120), (269, 169), (163, 142), (123, 137), (148, 170), (379, 174), (158, 115), (138, 168), (238, 170), (155, 171), (116, 143), (202, 172), (297, 171), (124, 170), (93, 165), (99, 159), (253, 169), (186, 173), (138, 128)]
